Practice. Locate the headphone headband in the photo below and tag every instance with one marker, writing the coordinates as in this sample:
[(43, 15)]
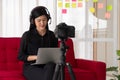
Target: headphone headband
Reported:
[(38, 11)]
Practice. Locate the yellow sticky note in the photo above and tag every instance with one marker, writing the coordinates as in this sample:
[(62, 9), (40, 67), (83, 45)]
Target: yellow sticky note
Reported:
[(73, 5), (95, 0), (92, 10), (86, 0), (109, 7), (60, 4), (67, 5)]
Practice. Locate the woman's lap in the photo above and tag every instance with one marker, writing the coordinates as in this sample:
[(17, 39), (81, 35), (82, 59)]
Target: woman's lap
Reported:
[(39, 72)]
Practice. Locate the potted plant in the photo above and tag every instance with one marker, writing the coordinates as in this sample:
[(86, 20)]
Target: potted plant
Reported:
[(115, 69)]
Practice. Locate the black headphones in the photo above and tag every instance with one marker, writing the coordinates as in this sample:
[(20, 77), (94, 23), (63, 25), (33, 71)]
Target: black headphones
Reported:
[(37, 11)]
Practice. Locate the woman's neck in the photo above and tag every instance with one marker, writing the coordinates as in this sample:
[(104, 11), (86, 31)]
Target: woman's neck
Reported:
[(42, 32)]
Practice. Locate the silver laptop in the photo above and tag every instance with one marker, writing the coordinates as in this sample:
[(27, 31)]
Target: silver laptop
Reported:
[(46, 55)]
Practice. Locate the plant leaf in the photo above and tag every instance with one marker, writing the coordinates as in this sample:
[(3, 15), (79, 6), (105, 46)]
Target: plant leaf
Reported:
[(113, 68)]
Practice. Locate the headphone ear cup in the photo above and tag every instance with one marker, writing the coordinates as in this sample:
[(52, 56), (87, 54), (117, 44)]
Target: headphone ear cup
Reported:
[(49, 17)]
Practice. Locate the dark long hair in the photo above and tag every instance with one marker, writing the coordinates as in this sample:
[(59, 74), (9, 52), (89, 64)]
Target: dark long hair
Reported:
[(36, 12)]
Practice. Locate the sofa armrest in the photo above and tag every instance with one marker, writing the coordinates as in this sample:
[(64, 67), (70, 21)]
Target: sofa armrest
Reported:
[(98, 67)]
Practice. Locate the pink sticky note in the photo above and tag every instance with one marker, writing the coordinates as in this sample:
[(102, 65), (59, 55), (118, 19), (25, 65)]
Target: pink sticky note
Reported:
[(100, 5), (73, 0), (64, 11), (80, 4), (107, 15)]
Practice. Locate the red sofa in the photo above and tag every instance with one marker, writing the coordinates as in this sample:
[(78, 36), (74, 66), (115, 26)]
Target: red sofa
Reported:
[(11, 67)]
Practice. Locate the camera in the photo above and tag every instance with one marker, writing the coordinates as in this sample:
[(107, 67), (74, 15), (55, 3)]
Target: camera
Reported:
[(63, 31)]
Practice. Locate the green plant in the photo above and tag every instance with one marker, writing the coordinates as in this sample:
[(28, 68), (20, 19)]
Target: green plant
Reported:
[(115, 69), (118, 54)]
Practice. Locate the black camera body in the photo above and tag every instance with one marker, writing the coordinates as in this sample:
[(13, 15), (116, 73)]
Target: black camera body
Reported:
[(63, 31)]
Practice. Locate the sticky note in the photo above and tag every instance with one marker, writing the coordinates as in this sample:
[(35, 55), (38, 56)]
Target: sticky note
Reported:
[(64, 11), (95, 0), (67, 0), (86, 0), (73, 0), (109, 7), (67, 5), (80, 4), (80, 0), (73, 5), (107, 15), (92, 10), (100, 5), (60, 4)]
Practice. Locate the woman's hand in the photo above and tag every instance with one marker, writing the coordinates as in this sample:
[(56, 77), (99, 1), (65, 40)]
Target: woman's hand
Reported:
[(32, 57)]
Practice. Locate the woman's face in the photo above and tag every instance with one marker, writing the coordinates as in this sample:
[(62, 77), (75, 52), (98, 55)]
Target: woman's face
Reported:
[(41, 23)]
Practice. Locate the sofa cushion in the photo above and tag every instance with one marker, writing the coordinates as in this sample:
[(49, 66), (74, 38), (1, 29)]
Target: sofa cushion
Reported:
[(11, 75), (81, 74), (8, 57)]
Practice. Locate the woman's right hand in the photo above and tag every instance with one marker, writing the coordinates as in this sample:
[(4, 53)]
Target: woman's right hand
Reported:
[(32, 57)]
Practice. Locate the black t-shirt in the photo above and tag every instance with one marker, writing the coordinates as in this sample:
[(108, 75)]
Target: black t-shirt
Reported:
[(31, 41)]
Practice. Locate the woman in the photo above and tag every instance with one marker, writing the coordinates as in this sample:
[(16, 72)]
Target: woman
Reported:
[(37, 36)]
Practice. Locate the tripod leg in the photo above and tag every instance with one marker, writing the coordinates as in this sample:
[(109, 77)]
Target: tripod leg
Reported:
[(70, 71), (62, 72), (56, 73)]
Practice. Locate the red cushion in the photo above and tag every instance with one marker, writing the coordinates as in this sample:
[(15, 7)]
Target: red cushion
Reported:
[(81, 74), (8, 57), (12, 73)]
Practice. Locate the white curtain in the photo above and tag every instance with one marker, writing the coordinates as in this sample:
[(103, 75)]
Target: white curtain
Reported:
[(15, 16)]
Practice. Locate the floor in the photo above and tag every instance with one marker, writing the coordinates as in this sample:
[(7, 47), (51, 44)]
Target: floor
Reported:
[(109, 76)]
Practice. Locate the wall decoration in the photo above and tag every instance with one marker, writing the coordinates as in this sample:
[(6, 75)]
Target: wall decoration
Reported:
[(74, 5), (95, 0), (73, 0), (80, 4), (64, 11), (92, 10), (68, 4), (109, 7), (67, 0), (60, 4), (80, 0), (100, 5), (107, 15)]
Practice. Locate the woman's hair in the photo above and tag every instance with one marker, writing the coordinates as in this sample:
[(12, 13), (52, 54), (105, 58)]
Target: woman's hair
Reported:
[(36, 12)]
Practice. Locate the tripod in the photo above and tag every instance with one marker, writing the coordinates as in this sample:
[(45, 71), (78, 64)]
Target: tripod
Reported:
[(60, 67)]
